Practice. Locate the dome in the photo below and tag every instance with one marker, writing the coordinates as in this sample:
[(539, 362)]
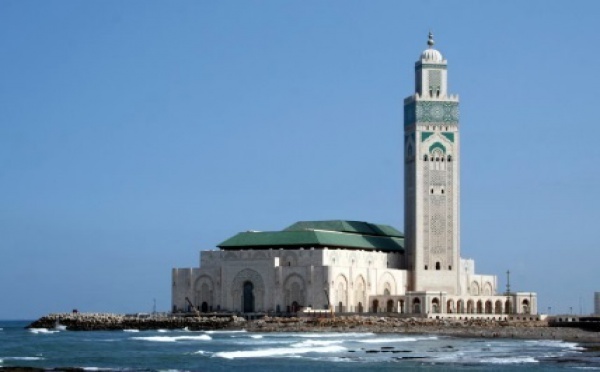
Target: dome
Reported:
[(430, 54)]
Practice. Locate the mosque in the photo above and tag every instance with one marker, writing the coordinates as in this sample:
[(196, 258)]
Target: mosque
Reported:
[(361, 267)]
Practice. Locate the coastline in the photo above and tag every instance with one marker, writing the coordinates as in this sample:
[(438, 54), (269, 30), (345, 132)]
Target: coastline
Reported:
[(471, 328)]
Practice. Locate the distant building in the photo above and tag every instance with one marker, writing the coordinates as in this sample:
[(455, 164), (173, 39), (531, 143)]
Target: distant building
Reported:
[(597, 303), (361, 267)]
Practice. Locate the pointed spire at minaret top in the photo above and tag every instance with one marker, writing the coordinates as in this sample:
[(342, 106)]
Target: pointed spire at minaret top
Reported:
[(430, 54), (430, 42)]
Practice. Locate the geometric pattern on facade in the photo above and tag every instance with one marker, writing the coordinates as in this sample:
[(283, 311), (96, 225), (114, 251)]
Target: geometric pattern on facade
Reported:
[(431, 112)]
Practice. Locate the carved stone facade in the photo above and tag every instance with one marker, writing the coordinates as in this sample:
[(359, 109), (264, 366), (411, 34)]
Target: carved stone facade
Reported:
[(286, 280)]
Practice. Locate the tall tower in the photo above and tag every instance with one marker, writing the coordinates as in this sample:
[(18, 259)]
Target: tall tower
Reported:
[(431, 178)]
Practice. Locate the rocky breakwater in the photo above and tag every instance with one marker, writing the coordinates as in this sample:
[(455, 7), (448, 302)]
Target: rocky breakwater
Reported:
[(457, 328), (110, 322)]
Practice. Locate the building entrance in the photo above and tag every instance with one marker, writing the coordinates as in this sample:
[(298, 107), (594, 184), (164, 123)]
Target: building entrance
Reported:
[(248, 298)]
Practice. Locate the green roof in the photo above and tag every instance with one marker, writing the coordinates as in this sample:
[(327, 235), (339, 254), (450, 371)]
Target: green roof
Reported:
[(357, 227), (334, 234)]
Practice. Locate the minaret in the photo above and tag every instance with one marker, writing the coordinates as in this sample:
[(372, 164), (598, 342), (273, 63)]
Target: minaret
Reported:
[(431, 178)]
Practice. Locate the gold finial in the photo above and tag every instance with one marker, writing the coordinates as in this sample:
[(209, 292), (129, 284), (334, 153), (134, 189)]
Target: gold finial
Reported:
[(430, 42)]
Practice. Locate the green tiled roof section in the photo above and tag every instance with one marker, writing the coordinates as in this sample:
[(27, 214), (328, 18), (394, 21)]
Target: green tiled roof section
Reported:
[(356, 227), (312, 238), (449, 135)]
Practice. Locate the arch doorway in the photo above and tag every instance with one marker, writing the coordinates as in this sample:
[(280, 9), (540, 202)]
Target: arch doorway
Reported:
[(248, 297), (375, 305), (360, 307), (416, 306), (390, 306), (295, 307), (204, 307)]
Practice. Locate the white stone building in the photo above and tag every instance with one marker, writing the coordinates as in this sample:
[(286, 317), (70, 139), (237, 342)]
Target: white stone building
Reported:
[(359, 267)]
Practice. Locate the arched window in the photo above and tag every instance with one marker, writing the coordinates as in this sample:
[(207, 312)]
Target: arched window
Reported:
[(424, 157), (435, 305), (526, 309), (449, 157), (416, 306), (498, 307), (425, 267), (437, 266)]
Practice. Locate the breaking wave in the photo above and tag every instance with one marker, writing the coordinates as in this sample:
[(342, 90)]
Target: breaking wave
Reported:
[(131, 330), (42, 331)]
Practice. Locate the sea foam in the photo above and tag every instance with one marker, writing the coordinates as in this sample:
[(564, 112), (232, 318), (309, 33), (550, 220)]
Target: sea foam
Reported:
[(325, 335), (386, 340), (278, 352), (173, 338), (319, 343), (225, 332), (557, 344), (509, 360)]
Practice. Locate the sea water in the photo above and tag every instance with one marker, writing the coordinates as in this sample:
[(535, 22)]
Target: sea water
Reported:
[(182, 350)]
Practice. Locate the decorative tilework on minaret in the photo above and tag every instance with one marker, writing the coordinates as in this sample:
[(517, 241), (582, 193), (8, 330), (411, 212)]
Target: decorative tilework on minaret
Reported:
[(431, 178)]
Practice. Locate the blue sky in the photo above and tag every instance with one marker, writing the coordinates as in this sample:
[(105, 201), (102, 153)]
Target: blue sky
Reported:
[(134, 134)]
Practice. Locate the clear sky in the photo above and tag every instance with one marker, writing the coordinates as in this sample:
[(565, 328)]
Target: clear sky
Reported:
[(134, 134)]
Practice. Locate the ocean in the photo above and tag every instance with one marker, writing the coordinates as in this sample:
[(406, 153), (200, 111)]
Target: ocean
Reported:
[(182, 350)]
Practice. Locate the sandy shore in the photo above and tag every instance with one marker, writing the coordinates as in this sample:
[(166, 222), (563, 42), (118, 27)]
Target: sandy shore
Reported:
[(376, 324)]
